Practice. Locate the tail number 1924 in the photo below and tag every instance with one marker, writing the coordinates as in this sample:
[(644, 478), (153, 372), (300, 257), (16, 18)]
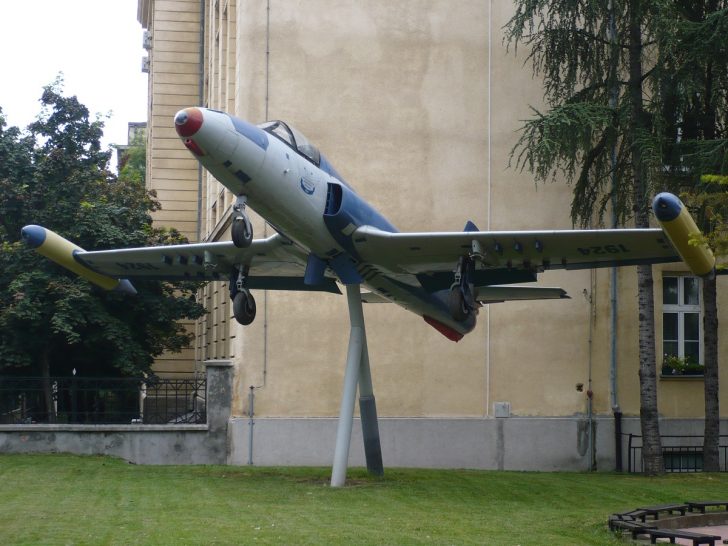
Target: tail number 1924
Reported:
[(605, 249)]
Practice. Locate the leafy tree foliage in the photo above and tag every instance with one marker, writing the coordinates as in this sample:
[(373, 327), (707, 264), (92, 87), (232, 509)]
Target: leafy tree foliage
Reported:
[(133, 163), (52, 321)]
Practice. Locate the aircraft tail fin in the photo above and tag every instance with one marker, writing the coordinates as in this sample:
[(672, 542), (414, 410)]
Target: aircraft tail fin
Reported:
[(470, 226)]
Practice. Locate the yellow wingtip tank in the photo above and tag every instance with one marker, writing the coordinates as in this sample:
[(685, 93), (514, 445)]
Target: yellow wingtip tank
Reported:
[(680, 227), (62, 251)]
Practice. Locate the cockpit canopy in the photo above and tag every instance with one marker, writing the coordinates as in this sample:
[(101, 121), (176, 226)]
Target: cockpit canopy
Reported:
[(295, 139)]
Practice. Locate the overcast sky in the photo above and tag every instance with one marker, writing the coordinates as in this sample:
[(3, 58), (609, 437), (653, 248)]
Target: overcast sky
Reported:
[(96, 44)]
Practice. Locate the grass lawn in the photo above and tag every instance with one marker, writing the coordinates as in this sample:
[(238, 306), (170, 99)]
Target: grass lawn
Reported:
[(65, 499)]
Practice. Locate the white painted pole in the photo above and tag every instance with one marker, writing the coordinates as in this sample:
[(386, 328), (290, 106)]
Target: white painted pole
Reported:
[(351, 376)]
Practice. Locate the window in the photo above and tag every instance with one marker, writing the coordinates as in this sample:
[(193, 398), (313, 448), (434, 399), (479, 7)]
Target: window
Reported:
[(293, 138), (686, 459), (681, 318)]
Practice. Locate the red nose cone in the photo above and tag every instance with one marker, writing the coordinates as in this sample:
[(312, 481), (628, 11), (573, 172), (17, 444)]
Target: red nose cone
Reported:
[(188, 121)]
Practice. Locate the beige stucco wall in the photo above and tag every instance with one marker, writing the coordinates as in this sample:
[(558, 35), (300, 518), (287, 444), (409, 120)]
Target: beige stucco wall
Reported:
[(417, 104)]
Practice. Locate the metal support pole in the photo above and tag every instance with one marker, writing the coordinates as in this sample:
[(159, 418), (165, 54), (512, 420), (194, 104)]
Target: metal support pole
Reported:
[(357, 370), (251, 423), (346, 412), (368, 413)]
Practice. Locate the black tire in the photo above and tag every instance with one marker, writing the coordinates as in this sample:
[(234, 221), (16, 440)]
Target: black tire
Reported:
[(456, 304), (244, 307), (241, 231)]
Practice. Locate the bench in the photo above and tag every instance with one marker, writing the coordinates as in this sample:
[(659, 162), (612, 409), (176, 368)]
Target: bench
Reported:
[(632, 515), (702, 505), (635, 528), (672, 534), (654, 511)]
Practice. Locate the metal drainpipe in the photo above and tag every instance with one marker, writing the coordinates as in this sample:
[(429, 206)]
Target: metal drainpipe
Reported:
[(490, 195), (251, 423), (613, 296), (265, 224), (589, 391), (251, 394), (200, 92)]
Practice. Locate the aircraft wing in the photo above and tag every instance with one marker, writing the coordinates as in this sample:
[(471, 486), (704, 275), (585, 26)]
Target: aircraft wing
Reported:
[(273, 263), (510, 256)]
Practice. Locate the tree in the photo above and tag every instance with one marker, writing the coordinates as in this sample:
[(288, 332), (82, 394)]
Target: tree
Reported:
[(646, 82), (52, 321), (133, 163), (709, 202), (693, 61), (601, 131)]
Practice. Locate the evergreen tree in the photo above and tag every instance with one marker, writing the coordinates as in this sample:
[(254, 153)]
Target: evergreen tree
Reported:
[(601, 131), (693, 72)]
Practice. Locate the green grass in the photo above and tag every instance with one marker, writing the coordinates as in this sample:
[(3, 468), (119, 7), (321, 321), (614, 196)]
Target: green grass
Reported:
[(65, 499)]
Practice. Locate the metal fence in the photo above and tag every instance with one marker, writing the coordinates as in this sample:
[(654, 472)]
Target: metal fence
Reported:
[(680, 453), (83, 400)]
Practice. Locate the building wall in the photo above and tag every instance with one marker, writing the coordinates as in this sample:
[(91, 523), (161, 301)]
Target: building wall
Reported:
[(417, 104), (174, 83), (216, 331)]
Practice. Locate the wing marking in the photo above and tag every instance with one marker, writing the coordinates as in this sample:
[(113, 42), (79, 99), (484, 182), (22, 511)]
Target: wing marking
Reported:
[(430, 253), (273, 263)]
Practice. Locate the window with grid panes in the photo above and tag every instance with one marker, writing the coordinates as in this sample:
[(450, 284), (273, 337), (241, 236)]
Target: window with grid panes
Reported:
[(681, 317)]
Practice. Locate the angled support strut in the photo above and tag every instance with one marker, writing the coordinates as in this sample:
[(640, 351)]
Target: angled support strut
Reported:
[(357, 371)]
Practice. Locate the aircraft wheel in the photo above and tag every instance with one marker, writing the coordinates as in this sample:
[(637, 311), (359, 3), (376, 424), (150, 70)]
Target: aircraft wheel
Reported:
[(456, 304), (241, 231), (244, 307)]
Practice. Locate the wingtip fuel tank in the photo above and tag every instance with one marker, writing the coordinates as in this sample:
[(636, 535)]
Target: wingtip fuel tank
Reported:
[(62, 251), (679, 226)]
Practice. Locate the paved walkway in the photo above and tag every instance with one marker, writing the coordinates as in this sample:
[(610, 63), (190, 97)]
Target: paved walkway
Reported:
[(721, 530)]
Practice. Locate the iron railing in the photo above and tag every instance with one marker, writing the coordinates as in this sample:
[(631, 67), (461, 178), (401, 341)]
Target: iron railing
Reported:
[(680, 453), (85, 400)]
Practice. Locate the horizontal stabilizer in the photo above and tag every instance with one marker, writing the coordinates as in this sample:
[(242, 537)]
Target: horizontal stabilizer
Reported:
[(495, 294), (373, 297)]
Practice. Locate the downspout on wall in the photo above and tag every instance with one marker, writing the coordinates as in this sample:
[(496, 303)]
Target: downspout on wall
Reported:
[(251, 396), (200, 93), (613, 294)]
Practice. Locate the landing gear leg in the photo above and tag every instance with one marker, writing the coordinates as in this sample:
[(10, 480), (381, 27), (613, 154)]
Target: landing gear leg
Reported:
[(243, 301), (241, 230), (461, 302)]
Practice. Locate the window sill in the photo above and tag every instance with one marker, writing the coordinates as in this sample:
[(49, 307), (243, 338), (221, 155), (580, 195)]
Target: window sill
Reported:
[(682, 377)]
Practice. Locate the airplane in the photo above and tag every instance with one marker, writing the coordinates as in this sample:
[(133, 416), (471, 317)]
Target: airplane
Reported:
[(326, 232)]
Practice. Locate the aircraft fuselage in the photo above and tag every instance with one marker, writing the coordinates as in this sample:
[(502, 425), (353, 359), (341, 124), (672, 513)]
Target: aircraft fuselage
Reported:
[(286, 180)]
